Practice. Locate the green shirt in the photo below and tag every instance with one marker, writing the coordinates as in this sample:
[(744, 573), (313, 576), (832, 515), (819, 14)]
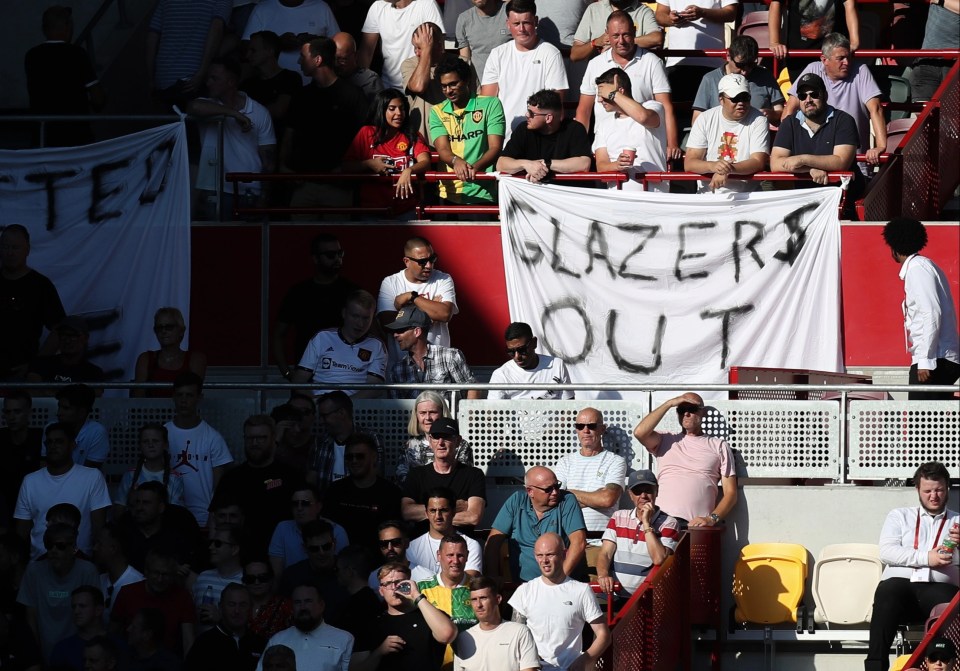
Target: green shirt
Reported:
[(467, 133)]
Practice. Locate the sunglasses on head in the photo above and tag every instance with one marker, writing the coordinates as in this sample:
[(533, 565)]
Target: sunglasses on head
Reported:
[(391, 542), (423, 262), (555, 487), (324, 547), (580, 426), (803, 95), (257, 578)]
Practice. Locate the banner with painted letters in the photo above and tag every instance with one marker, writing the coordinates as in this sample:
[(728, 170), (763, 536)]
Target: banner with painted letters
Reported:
[(109, 224), (643, 287)]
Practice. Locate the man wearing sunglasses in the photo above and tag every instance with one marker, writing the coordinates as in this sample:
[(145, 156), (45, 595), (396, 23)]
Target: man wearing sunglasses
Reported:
[(852, 89), (313, 304), (419, 285), (689, 464), (729, 140), (765, 95), (548, 143), (594, 475), (816, 138), (543, 507), (526, 366), (319, 568)]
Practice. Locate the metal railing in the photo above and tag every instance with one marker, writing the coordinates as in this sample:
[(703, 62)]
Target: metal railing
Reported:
[(85, 38)]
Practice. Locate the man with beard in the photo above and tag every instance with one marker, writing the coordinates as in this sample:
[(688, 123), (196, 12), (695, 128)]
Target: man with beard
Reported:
[(317, 645), (231, 644), (689, 464), (393, 542), (729, 140), (919, 571), (261, 484), (412, 635)]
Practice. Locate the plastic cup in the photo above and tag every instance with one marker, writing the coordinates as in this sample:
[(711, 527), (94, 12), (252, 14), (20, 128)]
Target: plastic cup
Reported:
[(630, 153)]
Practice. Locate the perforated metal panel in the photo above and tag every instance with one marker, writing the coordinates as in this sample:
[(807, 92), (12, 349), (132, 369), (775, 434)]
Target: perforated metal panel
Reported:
[(509, 437), (779, 439), (890, 439), (123, 418), (388, 418)]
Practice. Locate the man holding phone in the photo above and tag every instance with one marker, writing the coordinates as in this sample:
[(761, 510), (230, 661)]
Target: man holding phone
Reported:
[(412, 635), (689, 464)]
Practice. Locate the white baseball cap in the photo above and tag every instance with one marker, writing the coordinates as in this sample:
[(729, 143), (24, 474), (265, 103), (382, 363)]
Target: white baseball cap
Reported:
[(733, 85)]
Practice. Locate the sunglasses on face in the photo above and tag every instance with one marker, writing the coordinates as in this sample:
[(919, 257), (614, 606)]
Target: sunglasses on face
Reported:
[(816, 95), (743, 65), (939, 657), (523, 349), (688, 408), (580, 426), (742, 98), (555, 487), (333, 254), (60, 545), (257, 578), (423, 262), (323, 547), (391, 542), (166, 327), (217, 543)]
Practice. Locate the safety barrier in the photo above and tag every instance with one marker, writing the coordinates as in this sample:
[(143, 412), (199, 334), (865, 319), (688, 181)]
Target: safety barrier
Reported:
[(770, 439), (948, 626)]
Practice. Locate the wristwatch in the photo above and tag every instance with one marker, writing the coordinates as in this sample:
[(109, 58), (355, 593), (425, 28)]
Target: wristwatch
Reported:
[(715, 518), (414, 295), (547, 162)]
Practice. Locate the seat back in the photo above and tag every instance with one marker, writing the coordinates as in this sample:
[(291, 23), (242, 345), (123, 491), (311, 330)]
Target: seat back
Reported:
[(844, 579), (755, 17), (768, 581), (900, 92), (896, 130), (758, 31), (935, 614)]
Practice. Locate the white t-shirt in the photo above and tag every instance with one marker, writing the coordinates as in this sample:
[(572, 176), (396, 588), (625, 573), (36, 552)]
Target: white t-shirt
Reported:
[(556, 615), (194, 453), (549, 370), (509, 646), (589, 474), (730, 140), (619, 133), (82, 486), (93, 443), (129, 576), (520, 74), (240, 150), (422, 554), (395, 27), (438, 287), (313, 16), (335, 361), (647, 78), (699, 34), (174, 485)]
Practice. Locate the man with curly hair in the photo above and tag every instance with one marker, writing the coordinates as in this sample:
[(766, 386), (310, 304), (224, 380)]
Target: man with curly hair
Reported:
[(929, 316)]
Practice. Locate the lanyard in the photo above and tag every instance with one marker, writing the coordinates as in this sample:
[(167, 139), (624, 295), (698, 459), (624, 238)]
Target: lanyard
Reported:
[(916, 532)]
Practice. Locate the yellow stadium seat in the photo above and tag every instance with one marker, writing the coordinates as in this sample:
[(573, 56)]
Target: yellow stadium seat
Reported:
[(768, 582)]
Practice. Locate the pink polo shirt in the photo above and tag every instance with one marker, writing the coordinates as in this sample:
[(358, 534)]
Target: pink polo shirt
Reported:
[(689, 469)]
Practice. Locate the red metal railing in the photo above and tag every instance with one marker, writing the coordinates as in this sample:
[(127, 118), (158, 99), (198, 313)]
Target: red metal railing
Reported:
[(948, 626)]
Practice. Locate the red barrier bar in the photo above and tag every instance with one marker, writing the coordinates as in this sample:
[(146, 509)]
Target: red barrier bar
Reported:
[(832, 177), (947, 625)]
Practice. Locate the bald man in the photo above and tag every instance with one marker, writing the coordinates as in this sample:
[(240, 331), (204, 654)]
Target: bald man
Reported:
[(526, 516), (347, 67), (689, 464), (556, 607)]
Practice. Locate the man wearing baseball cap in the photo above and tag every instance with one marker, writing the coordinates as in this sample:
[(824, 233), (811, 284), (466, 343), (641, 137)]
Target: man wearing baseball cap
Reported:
[(468, 483), (941, 655), (728, 140), (817, 138), (70, 364), (424, 363), (636, 539)]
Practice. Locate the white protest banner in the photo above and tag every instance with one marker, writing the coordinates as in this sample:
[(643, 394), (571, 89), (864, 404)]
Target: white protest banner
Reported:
[(109, 224), (641, 287)]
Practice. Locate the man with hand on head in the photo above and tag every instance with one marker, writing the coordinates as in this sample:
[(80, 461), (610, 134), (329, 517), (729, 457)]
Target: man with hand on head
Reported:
[(690, 464)]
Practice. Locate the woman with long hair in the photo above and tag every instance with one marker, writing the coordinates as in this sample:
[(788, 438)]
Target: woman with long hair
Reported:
[(153, 465), (427, 408), (389, 146)]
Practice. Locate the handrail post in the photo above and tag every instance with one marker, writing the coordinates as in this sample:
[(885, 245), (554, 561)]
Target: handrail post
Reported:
[(844, 441), (219, 190)]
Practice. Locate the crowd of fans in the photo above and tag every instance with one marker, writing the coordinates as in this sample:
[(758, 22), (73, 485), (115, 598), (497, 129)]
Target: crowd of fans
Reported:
[(354, 87)]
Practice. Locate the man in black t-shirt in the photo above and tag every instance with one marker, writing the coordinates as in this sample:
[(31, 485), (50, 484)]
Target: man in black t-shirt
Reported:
[(411, 636), (20, 446), (468, 483), (70, 364), (270, 85), (548, 143)]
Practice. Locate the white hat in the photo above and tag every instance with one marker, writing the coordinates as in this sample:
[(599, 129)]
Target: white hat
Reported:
[(733, 85)]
